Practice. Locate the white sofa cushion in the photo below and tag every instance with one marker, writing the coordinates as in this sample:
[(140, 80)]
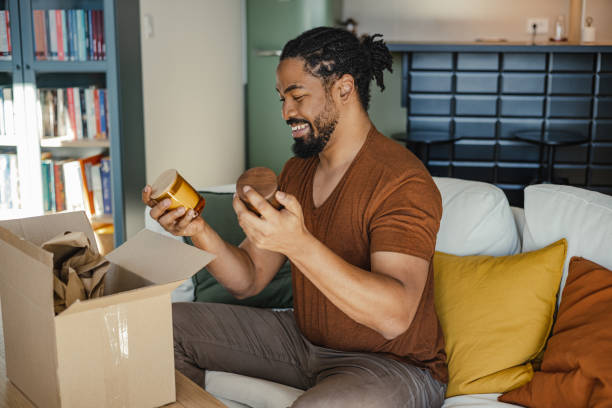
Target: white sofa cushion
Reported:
[(476, 219), (581, 216), (476, 400), (253, 392)]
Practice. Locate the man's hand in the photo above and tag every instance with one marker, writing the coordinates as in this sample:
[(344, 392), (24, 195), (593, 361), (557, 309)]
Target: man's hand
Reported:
[(178, 221), (277, 231)]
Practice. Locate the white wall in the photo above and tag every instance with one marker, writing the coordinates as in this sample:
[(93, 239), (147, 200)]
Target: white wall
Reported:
[(466, 20), (193, 89)]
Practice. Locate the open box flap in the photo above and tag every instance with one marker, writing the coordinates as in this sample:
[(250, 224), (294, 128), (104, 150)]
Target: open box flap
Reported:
[(38, 230), (119, 298), (159, 259)]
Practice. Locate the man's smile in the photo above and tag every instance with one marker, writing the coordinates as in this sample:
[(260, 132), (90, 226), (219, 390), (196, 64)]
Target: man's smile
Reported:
[(300, 130)]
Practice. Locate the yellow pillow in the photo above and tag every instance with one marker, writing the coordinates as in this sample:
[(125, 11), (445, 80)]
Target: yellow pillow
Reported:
[(496, 314)]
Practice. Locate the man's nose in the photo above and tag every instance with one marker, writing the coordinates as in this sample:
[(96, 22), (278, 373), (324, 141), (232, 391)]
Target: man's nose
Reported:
[(288, 110)]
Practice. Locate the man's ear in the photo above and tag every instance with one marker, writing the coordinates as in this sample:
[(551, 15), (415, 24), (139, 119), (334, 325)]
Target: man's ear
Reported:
[(346, 87)]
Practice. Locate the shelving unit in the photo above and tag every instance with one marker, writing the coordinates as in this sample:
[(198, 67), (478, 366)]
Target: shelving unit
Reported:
[(125, 144)]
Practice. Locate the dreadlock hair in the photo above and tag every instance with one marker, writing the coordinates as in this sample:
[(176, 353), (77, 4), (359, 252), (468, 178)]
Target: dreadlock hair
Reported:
[(330, 53)]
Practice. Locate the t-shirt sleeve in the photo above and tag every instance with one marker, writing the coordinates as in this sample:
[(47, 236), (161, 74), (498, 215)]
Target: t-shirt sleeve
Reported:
[(407, 219)]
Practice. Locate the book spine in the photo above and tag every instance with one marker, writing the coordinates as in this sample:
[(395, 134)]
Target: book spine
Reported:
[(8, 31), (46, 181), (91, 116), (96, 185), (38, 36), (72, 132), (87, 191), (78, 122), (68, 34), (73, 185), (5, 182), (97, 113), (7, 96), (14, 179), (75, 34), (105, 175), (102, 35), (59, 35), (52, 34), (4, 49), (90, 42), (103, 127), (83, 100), (61, 114), (60, 195), (94, 20)]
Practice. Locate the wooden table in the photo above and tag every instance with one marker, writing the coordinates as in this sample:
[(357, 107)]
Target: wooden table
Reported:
[(188, 393)]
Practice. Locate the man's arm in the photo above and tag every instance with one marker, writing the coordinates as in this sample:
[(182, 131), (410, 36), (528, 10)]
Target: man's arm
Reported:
[(244, 271), (384, 299)]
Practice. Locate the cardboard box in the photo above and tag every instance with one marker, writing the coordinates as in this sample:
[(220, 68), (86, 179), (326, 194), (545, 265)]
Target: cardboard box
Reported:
[(114, 351)]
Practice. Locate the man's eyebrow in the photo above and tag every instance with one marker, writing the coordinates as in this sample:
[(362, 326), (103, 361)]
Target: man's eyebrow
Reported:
[(291, 88)]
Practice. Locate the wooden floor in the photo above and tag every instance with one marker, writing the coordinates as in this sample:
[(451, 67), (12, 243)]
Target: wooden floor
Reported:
[(188, 394)]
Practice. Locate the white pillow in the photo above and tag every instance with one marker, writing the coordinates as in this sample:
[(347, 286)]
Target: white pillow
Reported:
[(581, 216), (476, 219)]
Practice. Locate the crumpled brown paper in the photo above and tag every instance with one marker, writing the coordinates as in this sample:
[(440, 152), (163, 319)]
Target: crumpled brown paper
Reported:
[(78, 270)]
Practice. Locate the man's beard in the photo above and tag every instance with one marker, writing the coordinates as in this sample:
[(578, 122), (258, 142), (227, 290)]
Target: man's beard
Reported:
[(324, 125)]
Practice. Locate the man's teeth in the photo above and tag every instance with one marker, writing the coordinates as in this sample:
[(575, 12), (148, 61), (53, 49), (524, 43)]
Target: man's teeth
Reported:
[(299, 127)]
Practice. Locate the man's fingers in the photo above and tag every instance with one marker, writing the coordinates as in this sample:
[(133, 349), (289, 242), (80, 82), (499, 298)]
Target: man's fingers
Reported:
[(146, 197), (186, 220), (170, 217), (259, 203), (289, 202)]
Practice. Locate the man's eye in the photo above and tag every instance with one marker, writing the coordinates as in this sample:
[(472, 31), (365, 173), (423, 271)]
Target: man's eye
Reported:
[(298, 98)]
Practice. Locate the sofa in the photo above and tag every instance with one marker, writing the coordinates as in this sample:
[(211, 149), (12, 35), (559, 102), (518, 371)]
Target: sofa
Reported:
[(477, 221)]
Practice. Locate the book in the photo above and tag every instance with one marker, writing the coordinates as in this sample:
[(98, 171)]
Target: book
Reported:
[(105, 175), (48, 185), (78, 122), (73, 186), (59, 35), (82, 39), (47, 106), (85, 165), (97, 113), (90, 41), (102, 98), (58, 176), (40, 35), (91, 115), (4, 37), (5, 182), (14, 180), (52, 26), (72, 133), (62, 113), (8, 31), (7, 106), (96, 186)]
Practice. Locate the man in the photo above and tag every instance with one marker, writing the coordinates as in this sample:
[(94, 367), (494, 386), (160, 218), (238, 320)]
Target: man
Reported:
[(359, 226)]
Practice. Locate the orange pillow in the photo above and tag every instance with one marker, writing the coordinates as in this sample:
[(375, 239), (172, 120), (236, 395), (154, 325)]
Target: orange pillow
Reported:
[(577, 363)]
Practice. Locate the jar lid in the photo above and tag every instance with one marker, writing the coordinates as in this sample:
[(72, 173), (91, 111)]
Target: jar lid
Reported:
[(163, 183)]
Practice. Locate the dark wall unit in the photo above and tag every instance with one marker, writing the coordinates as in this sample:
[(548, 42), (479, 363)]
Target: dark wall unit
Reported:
[(483, 94)]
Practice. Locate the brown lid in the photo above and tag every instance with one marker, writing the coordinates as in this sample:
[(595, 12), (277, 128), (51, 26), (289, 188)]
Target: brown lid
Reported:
[(261, 179), (163, 183)]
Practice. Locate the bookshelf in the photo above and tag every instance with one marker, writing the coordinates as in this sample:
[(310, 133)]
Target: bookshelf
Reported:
[(72, 71)]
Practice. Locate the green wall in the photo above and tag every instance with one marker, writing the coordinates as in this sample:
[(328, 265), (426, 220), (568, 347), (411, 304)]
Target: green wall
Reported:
[(386, 110)]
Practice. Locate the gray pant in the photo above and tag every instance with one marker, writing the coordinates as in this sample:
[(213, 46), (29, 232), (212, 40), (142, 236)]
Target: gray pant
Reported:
[(266, 344)]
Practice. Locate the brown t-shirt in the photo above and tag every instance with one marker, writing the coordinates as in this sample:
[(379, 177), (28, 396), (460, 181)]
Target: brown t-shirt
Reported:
[(386, 201)]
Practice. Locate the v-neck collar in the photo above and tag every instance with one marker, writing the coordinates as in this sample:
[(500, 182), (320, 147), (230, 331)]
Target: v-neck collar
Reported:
[(342, 180)]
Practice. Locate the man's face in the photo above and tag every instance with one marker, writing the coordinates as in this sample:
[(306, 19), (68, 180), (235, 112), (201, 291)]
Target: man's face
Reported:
[(308, 107)]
